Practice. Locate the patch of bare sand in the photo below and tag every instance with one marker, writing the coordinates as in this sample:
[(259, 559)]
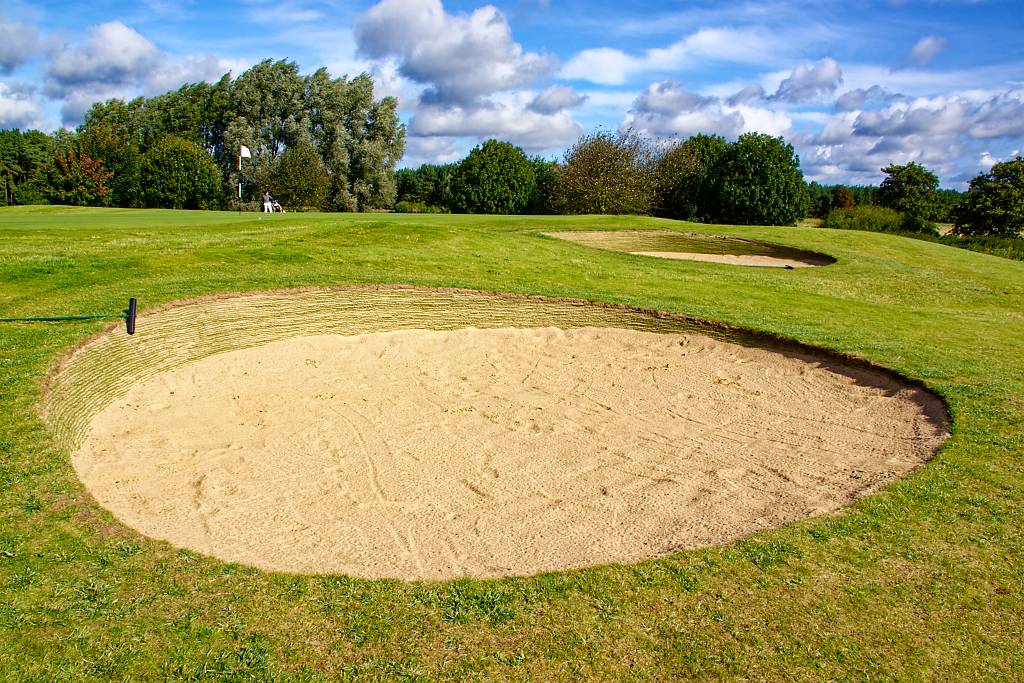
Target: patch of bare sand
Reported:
[(426, 455), (734, 259)]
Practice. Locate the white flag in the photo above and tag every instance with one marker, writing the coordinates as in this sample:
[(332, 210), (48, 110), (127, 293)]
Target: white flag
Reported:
[(245, 153)]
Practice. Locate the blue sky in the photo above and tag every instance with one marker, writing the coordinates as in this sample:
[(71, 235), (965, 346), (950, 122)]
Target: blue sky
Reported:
[(853, 85)]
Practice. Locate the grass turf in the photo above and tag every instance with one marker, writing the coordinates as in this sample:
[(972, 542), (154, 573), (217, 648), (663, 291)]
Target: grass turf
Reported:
[(921, 581)]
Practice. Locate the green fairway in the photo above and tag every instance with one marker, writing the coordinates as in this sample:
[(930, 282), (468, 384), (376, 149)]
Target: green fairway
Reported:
[(922, 581)]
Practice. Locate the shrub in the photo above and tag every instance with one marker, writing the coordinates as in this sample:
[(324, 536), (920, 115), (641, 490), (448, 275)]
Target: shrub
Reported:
[(496, 177), (76, 179), (841, 198), (1006, 247), (994, 204), (911, 223), (418, 207), (864, 217), (606, 174), (542, 201), (758, 182), (178, 174), (299, 177), (877, 219), (684, 174)]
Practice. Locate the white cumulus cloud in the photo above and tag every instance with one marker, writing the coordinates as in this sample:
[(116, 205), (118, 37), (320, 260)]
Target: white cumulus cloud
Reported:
[(118, 61), (667, 109), (925, 49), (611, 66), (19, 109), (555, 99), (19, 43), (509, 120), (808, 81), (115, 54), (460, 57)]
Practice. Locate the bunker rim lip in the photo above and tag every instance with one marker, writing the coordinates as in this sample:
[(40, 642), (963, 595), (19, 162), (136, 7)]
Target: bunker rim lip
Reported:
[(746, 335)]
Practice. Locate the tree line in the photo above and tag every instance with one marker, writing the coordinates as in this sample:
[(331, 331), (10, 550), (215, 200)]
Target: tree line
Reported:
[(755, 180), (315, 141), (325, 143)]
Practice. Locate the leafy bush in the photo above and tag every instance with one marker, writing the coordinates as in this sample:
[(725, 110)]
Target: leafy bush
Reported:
[(877, 219), (684, 173), (299, 177), (76, 179), (178, 174), (418, 207), (994, 204), (496, 177), (758, 182), (429, 184), (866, 217), (841, 197), (542, 201), (911, 223), (1006, 247), (881, 219), (606, 174)]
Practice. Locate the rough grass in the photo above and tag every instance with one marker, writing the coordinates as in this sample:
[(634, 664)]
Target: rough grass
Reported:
[(919, 582)]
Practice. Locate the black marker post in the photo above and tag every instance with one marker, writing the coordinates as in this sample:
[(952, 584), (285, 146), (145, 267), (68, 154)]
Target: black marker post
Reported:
[(129, 318)]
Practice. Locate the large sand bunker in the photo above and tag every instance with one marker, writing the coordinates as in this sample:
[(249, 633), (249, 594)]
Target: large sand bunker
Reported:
[(473, 449)]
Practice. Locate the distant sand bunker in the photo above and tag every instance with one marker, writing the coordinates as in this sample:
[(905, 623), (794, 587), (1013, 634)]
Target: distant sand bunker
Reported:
[(695, 247), (420, 454)]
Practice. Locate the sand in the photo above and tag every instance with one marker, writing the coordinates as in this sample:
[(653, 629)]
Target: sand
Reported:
[(696, 247), (732, 259), (421, 454)]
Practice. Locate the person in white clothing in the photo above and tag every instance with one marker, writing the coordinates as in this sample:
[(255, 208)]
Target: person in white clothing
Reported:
[(268, 203)]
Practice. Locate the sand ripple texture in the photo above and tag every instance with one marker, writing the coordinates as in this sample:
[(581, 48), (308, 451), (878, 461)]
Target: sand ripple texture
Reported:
[(432, 454)]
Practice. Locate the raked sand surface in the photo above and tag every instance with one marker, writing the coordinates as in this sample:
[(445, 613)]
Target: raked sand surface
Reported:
[(426, 455), (732, 259)]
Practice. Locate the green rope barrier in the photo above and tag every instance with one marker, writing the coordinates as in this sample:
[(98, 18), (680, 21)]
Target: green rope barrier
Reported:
[(60, 318), (128, 316)]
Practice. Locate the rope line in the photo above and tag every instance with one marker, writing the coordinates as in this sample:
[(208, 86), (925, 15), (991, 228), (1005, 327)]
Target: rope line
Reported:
[(63, 317), (128, 315)]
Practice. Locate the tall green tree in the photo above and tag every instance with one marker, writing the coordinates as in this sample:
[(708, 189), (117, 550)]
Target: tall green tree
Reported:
[(684, 177), (359, 139), (842, 198), (994, 204), (269, 108), (179, 174), (299, 178), (545, 172), (758, 182), (909, 189), (496, 177), (24, 157), (607, 174)]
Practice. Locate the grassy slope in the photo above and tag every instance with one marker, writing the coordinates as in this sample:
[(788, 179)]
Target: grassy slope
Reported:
[(921, 581)]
